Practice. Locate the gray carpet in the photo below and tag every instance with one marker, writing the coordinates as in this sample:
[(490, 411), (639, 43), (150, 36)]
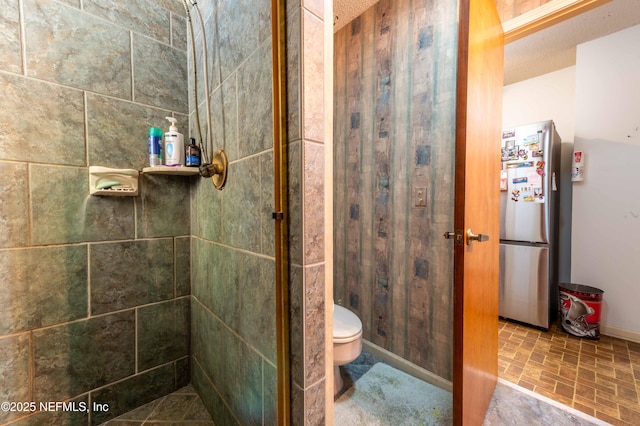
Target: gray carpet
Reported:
[(386, 396)]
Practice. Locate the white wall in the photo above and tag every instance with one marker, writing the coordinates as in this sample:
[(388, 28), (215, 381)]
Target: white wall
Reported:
[(606, 220), (597, 105), (548, 97)]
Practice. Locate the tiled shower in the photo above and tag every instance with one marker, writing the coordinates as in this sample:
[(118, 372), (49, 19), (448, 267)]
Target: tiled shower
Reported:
[(95, 303), (121, 300)]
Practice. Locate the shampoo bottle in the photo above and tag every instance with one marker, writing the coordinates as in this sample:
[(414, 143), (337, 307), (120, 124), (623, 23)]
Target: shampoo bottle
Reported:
[(173, 145), (192, 159)]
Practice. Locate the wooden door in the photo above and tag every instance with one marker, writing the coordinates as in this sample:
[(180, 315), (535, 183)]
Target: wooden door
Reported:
[(478, 133)]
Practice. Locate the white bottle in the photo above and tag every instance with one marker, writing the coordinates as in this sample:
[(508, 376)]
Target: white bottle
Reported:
[(173, 145)]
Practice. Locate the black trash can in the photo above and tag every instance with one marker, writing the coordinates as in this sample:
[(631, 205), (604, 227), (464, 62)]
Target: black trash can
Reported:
[(580, 309)]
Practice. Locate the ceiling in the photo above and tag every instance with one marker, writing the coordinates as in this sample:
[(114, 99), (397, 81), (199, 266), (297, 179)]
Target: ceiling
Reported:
[(548, 50), (345, 11), (554, 48)]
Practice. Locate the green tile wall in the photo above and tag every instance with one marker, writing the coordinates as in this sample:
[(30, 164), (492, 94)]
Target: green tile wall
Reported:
[(75, 358), (161, 205), (148, 18), (134, 391), (108, 117), (80, 217), (156, 63), (144, 274), (58, 137), (41, 293), (182, 263), (254, 112), (14, 363), (242, 228), (163, 332), (95, 301), (14, 204), (10, 36), (88, 52), (233, 265)]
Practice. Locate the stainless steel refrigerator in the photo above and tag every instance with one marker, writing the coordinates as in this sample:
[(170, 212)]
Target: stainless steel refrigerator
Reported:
[(532, 176)]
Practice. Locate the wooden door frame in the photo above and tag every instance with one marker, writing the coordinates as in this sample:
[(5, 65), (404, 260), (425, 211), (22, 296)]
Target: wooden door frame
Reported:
[(280, 213), (544, 16)]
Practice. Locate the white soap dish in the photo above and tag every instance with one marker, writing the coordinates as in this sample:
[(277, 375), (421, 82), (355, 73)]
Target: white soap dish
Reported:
[(113, 182)]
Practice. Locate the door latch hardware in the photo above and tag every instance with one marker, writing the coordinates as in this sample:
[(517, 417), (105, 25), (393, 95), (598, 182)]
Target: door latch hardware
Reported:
[(458, 236)]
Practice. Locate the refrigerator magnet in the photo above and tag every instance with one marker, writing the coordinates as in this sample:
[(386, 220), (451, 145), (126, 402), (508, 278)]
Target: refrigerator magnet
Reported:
[(520, 180), (509, 133), (523, 154), (531, 139), (534, 179), (515, 194), (521, 164), (503, 180), (537, 153), (509, 153)]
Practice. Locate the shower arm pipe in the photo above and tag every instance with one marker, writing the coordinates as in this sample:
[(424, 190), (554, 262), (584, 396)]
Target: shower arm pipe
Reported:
[(205, 66), (195, 75), (218, 168)]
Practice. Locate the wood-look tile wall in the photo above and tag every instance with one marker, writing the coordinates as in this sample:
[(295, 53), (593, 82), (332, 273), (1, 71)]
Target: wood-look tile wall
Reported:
[(394, 100)]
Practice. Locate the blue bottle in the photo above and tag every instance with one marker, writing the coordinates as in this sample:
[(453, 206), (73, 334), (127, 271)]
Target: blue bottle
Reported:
[(192, 158), (155, 146)]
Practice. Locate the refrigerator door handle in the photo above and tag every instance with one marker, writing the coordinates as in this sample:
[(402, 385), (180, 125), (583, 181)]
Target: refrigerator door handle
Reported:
[(471, 237)]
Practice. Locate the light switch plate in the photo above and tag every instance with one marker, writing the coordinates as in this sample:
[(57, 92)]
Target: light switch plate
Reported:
[(420, 196)]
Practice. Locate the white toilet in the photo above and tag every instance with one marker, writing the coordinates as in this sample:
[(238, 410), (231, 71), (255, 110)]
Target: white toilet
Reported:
[(347, 341)]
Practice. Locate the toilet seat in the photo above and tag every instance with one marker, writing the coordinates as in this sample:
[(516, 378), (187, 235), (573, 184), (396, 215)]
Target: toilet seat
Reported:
[(347, 327)]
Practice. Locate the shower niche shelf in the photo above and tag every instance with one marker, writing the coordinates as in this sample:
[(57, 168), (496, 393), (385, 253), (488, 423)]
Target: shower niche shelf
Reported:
[(166, 170)]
